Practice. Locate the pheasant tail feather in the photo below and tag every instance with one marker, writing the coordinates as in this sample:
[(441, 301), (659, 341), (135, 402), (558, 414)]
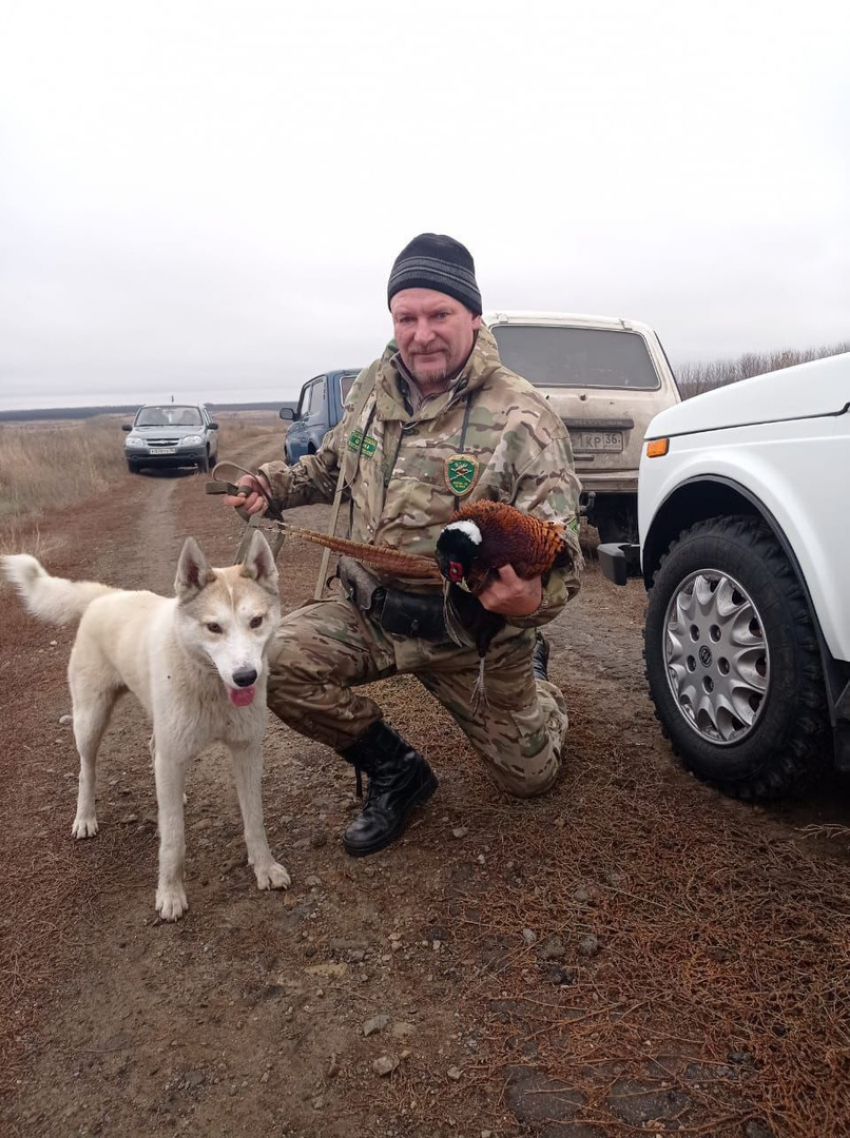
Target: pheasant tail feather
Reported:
[(381, 556)]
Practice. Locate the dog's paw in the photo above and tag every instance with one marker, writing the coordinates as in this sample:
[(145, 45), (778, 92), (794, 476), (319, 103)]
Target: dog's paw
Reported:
[(171, 903), (274, 876), (84, 827)]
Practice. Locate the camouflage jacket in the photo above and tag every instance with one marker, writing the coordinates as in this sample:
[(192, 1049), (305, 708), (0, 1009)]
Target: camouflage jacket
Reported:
[(490, 435)]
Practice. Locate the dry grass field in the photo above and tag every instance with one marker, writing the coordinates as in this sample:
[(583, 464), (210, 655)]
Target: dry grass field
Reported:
[(46, 465)]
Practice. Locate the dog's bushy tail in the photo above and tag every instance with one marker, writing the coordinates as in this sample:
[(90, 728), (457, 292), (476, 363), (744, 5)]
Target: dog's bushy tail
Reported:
[(49, 598)]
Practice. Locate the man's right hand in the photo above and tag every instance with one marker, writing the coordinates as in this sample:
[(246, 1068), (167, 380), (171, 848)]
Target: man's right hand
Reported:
[(256, 500)]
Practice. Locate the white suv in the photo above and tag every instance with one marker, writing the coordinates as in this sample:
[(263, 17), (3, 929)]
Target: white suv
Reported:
[(745, 551)]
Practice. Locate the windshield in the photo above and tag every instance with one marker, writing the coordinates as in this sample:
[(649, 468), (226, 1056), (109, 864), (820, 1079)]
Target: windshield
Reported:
[(549, 356), (171, 415)]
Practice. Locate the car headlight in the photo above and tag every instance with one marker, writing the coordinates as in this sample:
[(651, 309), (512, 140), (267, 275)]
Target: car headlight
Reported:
[(134, 441), (191, 441)]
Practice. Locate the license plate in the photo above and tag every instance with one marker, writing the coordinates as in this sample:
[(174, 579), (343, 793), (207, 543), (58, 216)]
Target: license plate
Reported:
[(163, 450), (585, 442)]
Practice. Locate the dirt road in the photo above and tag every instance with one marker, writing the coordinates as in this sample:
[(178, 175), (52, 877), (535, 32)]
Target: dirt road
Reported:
[(630, 954)]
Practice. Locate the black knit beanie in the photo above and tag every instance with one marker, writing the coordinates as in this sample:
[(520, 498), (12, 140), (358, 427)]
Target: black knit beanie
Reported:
[(435, 261)]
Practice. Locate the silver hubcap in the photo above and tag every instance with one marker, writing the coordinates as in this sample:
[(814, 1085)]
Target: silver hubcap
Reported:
[(718, 664)]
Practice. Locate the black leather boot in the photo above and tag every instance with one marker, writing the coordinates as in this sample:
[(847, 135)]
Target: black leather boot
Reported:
[(540, 657), (399, 779)]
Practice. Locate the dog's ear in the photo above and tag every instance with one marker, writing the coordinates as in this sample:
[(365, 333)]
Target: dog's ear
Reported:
[(193, 570), (259, 563)]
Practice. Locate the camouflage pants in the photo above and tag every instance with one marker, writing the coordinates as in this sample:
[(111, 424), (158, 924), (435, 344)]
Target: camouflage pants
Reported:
[(323, 651)]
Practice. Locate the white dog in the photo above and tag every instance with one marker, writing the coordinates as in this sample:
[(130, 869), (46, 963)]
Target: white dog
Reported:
[(196, 662)]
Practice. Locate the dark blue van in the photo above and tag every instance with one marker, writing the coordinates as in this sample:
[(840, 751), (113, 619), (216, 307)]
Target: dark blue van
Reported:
[(319, 408)]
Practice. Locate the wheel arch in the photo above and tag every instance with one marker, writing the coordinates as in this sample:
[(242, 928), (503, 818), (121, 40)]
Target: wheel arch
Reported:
[(716, 496)]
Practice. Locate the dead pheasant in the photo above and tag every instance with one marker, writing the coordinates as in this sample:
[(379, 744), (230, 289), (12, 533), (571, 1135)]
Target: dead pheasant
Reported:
[(481, 538), (484, 536), (381, 556)]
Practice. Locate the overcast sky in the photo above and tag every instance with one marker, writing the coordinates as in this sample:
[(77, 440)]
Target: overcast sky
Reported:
[(204, 197)]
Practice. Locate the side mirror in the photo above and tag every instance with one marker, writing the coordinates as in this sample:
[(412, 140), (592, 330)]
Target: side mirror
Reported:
[(213, 426), (288, 413), (126, 427)]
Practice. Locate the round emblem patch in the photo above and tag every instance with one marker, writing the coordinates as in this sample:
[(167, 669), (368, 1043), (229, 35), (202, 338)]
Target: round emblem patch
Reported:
[(461, 473)]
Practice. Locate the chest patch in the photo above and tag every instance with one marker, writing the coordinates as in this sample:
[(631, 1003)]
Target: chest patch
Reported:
[(361, 444), (461, 473)]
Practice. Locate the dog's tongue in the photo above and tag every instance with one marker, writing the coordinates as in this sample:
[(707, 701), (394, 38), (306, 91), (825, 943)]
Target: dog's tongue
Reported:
[(241, 697)]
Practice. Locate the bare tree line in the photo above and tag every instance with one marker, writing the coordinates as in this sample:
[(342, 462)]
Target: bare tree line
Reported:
[(695, 378)]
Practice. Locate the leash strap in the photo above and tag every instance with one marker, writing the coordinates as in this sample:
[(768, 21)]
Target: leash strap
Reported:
[(340, 488), (221, 484)]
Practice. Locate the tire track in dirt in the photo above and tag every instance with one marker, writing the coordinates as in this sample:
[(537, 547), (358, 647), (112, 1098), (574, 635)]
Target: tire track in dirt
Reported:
[(155, 535)]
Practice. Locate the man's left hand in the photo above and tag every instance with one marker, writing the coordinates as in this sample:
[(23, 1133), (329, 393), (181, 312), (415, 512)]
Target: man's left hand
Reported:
[(510, 595)]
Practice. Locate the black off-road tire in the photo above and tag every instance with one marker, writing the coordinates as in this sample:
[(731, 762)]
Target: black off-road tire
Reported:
[(133, 467), (203, 465), (785, 748)]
